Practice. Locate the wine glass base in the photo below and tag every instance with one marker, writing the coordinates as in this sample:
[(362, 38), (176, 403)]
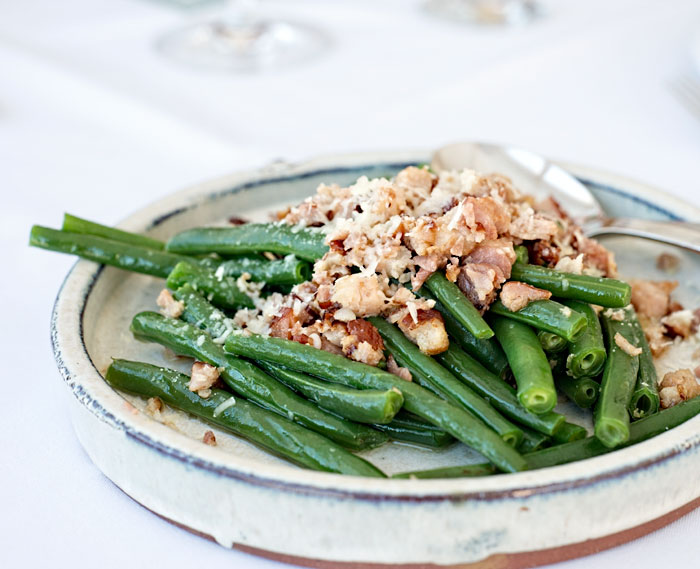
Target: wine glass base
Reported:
[(495, 12), (246, 47)]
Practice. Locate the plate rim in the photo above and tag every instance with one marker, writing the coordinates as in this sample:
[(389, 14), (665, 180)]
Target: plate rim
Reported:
[(73, 360)]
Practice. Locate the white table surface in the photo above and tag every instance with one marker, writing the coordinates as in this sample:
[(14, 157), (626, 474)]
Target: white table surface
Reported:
[(94, 122)]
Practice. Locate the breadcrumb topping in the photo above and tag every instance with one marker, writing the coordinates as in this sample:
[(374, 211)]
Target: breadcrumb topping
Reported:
[(387, 236)]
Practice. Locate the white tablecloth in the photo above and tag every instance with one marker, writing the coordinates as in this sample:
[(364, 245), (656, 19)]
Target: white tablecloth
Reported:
[(94, 122)]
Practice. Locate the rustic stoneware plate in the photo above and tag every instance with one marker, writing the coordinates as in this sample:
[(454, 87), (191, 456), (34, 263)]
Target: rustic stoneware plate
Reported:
[(244, 498)]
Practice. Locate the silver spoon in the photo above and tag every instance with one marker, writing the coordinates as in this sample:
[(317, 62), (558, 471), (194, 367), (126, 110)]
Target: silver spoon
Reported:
[(533, 174)]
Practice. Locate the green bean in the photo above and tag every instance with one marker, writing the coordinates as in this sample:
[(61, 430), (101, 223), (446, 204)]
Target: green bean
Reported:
[(501, 395), (587, 351), (250, 382), (430, 374), (611, 418), (521, 254), (594, 290), (645, 397), (203, 314), (223, 291), (487, 351), (582, 449), (136, 253), (532, 441), (410, 429), (360, 405), (264, 428), (106, 251), (582, 390), (73, 224), (466, 471), (333, 367), (551, 343), (529, 364), (569, 432), (639, 431), (546, 315), (459, 305), (281, 238), (286, 271)]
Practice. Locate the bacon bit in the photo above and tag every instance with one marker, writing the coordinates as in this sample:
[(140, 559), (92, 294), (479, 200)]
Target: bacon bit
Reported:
[(209, 438), (428, 265), (393, 367), (499, 254), (154, 405), (543, 253), (337, 246), (427, 331), (678, 386), (203, 377), (625, 345), (364, 331), (667, 263), (597, 255), (679, 323), (288, 325), (330, 347), (652, 298), (168, 305), (237, 220), (655, 334), (516, 295)]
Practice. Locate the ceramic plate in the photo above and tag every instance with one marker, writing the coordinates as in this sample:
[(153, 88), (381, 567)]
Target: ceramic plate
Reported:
[(243, 497)]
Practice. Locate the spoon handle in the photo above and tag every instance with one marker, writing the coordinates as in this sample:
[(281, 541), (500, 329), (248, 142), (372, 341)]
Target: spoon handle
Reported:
[(679, 233)]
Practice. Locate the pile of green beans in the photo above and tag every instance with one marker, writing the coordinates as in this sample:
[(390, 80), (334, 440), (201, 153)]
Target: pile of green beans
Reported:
[(315, 408)]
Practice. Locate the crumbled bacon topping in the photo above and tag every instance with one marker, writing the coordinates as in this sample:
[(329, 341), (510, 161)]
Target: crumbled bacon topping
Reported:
[(393, 367), (168, 305), (386, 233), (204, 376), (516, 295)]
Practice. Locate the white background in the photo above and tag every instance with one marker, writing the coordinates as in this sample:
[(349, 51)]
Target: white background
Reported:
[(94, 122)]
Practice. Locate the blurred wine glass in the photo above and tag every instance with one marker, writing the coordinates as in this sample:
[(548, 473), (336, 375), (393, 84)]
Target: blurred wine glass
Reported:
[(241, 40), (503, 12)]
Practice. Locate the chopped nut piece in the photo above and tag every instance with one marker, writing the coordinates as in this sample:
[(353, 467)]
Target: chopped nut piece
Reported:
[(209, 438), (168, 305), (154, 405), (203, 377), (393, 367), (678, 386), (616, 315), (626, 346), (516, 295), (667, 262)]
